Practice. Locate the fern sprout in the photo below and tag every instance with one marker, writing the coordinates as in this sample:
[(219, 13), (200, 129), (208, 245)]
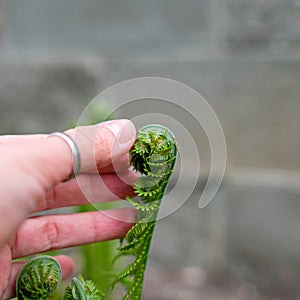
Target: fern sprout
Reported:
[(39, 278), (153, 155), (82, 289)]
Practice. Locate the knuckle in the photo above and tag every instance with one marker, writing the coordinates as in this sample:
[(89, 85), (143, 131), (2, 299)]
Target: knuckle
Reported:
[(52, 233)]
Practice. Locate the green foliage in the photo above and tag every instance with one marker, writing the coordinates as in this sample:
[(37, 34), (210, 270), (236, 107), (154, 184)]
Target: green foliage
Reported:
[(153, 156), (39, 278), (82, 289), (96, 257)]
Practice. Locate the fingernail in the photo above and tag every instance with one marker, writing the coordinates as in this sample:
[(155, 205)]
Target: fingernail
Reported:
[(123, 130)]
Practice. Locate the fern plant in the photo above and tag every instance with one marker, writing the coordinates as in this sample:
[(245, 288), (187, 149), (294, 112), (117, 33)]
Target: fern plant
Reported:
[(153, 155), (41, 276)]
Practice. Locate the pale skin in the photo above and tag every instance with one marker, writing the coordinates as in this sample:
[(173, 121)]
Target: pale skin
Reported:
[(36, 168)]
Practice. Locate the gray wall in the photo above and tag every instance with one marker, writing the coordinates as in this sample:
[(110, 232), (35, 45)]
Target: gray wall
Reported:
[(242, 56)]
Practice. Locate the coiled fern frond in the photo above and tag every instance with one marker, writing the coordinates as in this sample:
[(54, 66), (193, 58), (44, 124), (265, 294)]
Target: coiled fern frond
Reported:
[(153, 155), (82, 289), (39, 278)]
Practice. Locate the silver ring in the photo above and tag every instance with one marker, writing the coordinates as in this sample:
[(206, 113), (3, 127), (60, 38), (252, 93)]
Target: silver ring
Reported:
[(74, 149)]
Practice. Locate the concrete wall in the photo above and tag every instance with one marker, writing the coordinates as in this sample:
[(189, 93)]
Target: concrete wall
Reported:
[(256, 102), (57, 56)]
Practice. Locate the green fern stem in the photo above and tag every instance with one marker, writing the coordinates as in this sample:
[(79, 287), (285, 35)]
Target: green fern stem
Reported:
[(153, 155)]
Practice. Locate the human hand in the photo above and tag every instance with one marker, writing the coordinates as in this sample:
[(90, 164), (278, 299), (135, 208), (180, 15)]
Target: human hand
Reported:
[(35, 168)]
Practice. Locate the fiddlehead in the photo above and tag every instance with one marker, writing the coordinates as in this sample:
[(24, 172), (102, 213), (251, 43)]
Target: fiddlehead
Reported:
[(39, 278), (153, 156), (82, 289)]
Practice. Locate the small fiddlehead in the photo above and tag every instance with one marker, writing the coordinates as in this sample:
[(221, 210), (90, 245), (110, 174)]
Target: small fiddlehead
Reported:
[(39, 278), (153, 155), (82, 289)]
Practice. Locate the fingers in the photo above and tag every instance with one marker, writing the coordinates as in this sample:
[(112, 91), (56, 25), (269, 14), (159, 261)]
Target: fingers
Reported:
[(118, 166), (67, 267), (45, 233), (88, 188), (34, 164), (5, 267)]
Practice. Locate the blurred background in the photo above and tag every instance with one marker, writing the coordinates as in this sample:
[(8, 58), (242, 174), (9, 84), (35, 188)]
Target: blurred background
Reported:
[(243, 56)]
